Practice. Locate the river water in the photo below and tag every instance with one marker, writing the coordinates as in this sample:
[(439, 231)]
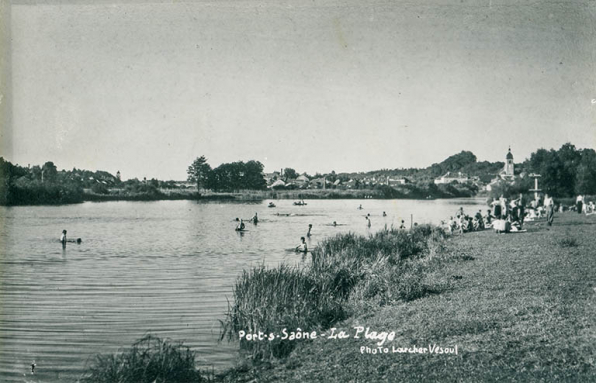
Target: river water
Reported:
[(163, 267)]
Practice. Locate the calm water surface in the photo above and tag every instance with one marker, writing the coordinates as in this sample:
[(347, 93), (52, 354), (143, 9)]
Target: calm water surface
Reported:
[(163, 267)]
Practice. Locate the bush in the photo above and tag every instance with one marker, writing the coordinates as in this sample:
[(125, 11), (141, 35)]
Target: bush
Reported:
[(99, 188), (26, 192), (149, 360)]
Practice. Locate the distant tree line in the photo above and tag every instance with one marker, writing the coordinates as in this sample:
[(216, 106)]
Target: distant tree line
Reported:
[(36, 185), (45, 185), (227, 177), (565, 172)]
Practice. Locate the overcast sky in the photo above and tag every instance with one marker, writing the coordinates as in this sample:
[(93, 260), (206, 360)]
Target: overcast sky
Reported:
[(146, 87)]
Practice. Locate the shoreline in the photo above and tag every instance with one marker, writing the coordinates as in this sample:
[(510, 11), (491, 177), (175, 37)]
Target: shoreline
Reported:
[(516, 307), (249, 196)]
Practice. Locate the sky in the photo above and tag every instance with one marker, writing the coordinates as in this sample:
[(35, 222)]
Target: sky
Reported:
[(146, 87)]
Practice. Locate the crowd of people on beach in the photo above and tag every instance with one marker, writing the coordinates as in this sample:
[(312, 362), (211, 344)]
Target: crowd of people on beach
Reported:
[(509, 215), (581, 206)]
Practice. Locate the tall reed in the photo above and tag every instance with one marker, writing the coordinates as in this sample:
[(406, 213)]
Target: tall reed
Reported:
[(345, 272)]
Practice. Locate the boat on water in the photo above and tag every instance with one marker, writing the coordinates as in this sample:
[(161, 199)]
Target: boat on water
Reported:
[(300, 203), (271, 204)]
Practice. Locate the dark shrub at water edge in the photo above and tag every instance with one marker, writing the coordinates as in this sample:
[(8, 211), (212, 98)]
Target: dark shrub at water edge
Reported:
[(149, 360)]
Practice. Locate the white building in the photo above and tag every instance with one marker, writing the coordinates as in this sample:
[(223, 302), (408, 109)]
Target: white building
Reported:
[(449, 177)]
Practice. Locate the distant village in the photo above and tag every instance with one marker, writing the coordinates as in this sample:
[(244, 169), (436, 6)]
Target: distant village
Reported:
[(277, 180)]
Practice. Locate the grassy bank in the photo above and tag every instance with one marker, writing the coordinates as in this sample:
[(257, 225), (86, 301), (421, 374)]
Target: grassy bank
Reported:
[(346, 275), (520, 307)]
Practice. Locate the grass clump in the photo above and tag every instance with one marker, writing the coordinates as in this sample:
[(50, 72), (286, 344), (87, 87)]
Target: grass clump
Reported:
[(150, 359), (568, 242), (269, 300), (346, 273)]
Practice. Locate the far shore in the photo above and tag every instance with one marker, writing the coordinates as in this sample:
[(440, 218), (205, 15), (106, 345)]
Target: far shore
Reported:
[(251, 195)]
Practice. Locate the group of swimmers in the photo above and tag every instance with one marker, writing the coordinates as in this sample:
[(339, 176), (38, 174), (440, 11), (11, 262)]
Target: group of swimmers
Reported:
[(241, 226), (303, 247)]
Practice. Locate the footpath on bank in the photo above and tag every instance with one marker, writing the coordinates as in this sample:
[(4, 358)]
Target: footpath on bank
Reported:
[(519, 307)]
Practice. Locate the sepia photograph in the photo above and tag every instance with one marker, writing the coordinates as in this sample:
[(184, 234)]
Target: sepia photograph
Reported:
[(260, 191)]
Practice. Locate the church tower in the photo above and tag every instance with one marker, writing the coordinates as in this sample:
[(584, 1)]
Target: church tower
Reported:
[(509, 164)]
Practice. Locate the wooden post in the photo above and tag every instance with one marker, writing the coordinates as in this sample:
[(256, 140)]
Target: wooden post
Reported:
[(411, 220)]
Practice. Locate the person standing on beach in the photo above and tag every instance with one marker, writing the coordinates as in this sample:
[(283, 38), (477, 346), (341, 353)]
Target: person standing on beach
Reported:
[(579, 203), (549, 205), (496, 204), (504, 207), (521, 210), (460, 211)]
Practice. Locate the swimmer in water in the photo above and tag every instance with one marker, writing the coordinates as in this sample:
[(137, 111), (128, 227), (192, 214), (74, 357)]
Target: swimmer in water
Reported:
[(302, 248), (334, 223), (384, 214), (368, 219), (255, 219), (240, 226), (63, 238), (309, 229)]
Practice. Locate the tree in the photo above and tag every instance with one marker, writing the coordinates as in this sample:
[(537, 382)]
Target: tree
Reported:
[(331, 177), (585, 182), (237, 176), (198, 171), (49, 172), (253, 176), (290, 174)]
